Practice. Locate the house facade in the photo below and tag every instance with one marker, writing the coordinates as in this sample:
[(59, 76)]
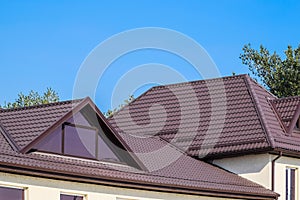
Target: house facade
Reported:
[(230, 122), (68, 150)]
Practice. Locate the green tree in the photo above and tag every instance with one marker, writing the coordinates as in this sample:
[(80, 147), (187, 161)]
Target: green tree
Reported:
[(33, 98), (110, 113), (279, 75)]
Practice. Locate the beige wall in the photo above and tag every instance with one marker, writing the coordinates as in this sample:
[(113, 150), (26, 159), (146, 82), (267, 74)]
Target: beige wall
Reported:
[(258, 168), (253, 167), (48, 189), (281, 165)]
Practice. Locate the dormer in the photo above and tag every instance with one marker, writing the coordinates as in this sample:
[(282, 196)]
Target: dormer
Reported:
[(74, 129), (85, 134), (297, 126), (288, 111)]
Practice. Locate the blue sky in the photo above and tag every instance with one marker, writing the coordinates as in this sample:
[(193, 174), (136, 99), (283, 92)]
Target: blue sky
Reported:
[(43, 43)]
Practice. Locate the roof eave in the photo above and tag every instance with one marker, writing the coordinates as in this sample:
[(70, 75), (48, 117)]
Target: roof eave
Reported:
[(131, 184), (238, 153)]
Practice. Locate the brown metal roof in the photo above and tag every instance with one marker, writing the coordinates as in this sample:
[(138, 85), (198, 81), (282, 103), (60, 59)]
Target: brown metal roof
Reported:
[(180, 174), (216, 117)]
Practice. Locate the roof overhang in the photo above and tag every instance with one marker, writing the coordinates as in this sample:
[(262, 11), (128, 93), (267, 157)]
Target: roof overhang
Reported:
[(130, 184)]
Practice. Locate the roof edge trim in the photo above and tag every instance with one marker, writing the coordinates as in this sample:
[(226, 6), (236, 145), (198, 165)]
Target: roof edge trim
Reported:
[(133, 185)]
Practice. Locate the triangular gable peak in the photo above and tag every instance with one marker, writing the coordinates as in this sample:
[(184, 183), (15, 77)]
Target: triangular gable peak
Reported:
[(84, 133), (288, 110)]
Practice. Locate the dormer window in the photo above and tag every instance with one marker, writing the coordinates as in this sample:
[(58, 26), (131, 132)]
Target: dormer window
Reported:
[(297, 126), (84, 135), (77, 137)]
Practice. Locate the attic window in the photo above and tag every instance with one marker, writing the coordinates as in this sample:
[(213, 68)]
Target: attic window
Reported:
[(78, 137), (79, 140), (297, 126)]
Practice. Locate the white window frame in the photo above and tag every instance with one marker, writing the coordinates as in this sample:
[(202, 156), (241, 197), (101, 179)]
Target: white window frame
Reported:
[(288, 183), (25, 189), (84, 196)]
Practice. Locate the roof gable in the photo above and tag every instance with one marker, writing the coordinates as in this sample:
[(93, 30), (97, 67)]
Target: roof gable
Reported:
[(39, 128)]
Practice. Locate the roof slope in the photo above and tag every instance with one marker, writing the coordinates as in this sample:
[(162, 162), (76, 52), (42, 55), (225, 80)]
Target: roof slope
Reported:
[(180, 173), (215, 117)]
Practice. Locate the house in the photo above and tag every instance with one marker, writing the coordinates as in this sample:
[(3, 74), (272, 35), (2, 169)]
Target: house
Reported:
[(230, 122), (68, 150)]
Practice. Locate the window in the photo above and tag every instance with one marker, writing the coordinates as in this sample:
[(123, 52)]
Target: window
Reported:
[(85, 135), (290, 184), (78, 137), (298, 124), (79, 140), (11, 193), (70, 197)]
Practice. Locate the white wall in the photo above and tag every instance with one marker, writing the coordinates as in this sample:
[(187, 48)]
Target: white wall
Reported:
[(48, 189), (258, 168)]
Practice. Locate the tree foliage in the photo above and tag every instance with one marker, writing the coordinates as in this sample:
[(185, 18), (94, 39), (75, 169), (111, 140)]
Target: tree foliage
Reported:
[(33, 98), (110, 113), (279, 75)]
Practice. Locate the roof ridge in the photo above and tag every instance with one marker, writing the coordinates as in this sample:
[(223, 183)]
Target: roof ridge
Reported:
[(259, 109), (42, 105), (198, 81)]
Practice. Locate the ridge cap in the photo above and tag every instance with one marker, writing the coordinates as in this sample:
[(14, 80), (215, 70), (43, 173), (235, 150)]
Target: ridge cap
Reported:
[(199, 81)]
